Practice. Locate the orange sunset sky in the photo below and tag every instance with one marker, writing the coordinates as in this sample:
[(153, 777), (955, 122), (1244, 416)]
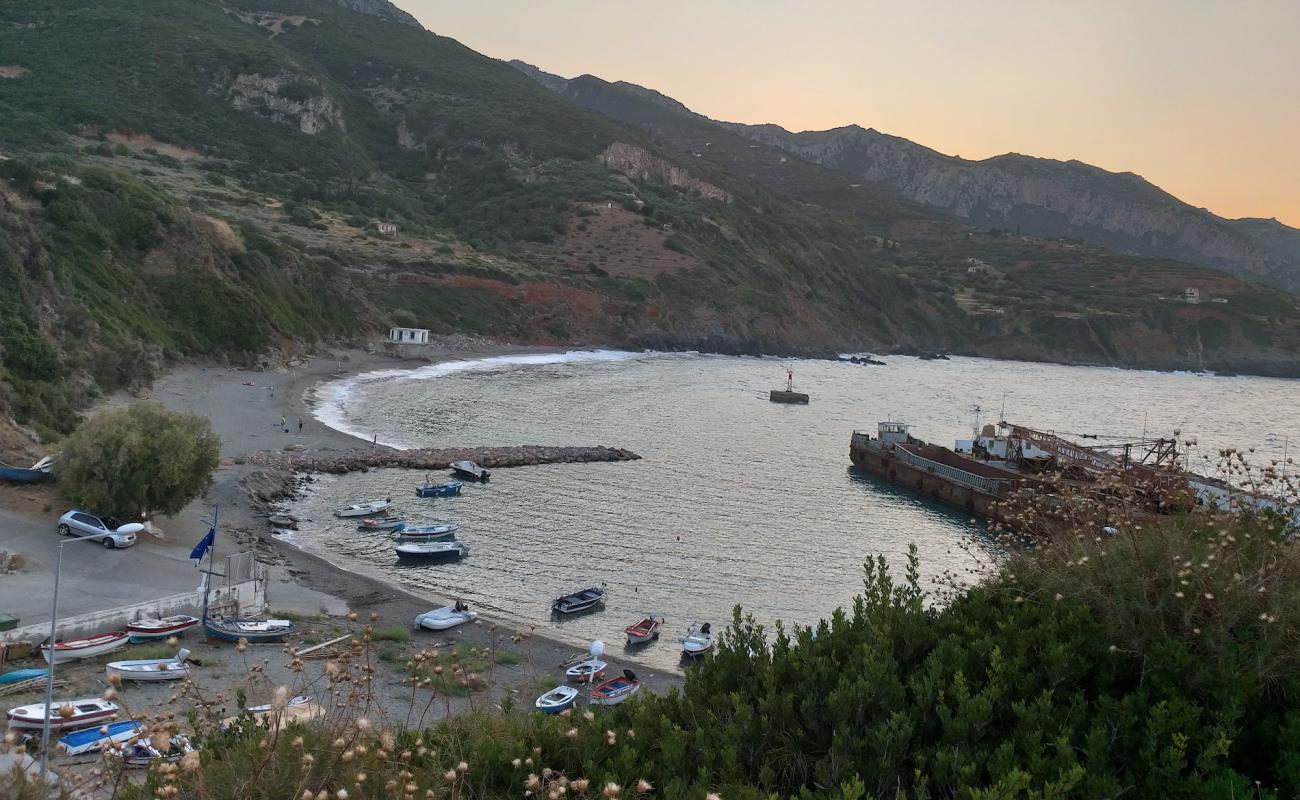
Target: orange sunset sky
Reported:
[(1201, 98)]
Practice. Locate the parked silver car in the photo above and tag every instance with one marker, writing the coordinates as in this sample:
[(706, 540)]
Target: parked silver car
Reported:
[(105, 530)]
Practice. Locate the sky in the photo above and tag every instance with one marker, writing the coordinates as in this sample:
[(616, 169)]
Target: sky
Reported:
[(1201, 98)]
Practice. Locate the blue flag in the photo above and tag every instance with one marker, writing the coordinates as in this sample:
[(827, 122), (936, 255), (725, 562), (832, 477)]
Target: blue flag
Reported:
[(204, 544)]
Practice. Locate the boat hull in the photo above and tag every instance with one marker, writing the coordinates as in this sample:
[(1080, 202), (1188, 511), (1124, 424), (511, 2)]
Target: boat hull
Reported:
[(174, 626), (229, 633), (19, 475), (32, 717), (77, 649), (175, 671), (90, 740), (20, 675), (441, 619), (643, 632), (789, 398), (613, 692), (556, 700), (439, 490), (900, 469)]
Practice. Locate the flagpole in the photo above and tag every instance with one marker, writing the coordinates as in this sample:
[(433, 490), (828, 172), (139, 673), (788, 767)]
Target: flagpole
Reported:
[(207, 574)]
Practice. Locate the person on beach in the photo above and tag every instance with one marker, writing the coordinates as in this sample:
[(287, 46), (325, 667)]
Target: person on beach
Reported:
[(284, 425), (300, 425)]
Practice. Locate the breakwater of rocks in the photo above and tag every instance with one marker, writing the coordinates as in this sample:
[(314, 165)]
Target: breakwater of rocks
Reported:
[(281, 474)]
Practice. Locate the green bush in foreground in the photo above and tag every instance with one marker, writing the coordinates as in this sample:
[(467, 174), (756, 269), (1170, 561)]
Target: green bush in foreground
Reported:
[(139, 460), (1150, 664)]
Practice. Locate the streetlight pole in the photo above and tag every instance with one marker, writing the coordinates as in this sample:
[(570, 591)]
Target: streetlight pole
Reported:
[(49, 678)]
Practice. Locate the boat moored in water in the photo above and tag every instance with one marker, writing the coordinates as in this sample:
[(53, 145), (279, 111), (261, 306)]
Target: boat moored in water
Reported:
[(367, 509), (430, 551), (580, 601), (389, 523), (427, 533), (644, 630), (697, 641), (151, 628), (470, 471), (445, 489)]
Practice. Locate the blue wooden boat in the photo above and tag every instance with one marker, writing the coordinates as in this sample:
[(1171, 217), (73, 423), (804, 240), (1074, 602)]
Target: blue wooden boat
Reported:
[(90, 739), (251, 630), (448, 489), (40, 471), (20, 675), (427, 533)]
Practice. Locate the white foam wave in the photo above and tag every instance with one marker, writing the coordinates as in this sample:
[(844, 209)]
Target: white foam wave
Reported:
[(336, 399)]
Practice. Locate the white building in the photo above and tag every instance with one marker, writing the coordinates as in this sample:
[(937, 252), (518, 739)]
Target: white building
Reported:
[(386, 228), (408, 335), (1191, 295)]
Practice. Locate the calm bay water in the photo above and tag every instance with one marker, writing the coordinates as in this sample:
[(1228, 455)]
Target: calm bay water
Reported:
[(737, 500)]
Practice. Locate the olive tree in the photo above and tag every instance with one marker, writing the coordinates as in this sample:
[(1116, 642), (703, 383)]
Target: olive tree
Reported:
[(139, 460)]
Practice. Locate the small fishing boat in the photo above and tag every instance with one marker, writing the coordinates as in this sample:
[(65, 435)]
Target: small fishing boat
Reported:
[(556, 700), (448, 489), (151, 669), (584, 671), (428, 551), (41, 471), (389, 523), (441, 619), (369, 508), (151, 629), (141, 754), (92, 739), (20, 675), (427, 533), (252, 630), (584, 600), (85, 712), (297, 701), (470, 470), (645, 630), (89, 647), (697, 641), (615, 690)]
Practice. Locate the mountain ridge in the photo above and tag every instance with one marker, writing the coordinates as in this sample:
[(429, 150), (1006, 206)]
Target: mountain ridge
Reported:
[(1044, 196)]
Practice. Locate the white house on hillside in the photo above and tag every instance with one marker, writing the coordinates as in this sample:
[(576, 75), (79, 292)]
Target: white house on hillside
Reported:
[(408, 335)]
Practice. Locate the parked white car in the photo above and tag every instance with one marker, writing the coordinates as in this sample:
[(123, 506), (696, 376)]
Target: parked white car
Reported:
[(105, 530)]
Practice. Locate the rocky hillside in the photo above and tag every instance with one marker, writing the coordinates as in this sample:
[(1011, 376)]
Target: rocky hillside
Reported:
[(203, 178), (1120, 211)]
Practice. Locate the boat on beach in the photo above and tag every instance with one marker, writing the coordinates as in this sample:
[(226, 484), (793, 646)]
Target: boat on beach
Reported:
[(469, 470), (697, 641), (427, 533), (429, 551), (252, 630), (89, 647), (151, 628), (556, 700), (580, 601), (20, 675), (150, 669), (584, 671), (141, 754), (91, 739), (441, 619), (644, 630), (446, 489), (367, 509), (39, 472), (615, 690), (84, 713), (389, 523)]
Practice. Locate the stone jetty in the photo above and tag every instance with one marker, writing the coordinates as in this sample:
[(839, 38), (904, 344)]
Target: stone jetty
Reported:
[(361, 460)]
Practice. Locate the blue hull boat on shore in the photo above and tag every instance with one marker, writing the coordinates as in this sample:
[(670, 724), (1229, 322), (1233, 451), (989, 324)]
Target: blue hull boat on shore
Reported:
[(251, 630), (36, 473), (448, 489), (92, 739), (20, 675)]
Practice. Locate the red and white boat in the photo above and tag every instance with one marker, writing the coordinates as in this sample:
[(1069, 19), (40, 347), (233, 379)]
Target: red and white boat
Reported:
[(615, 690), (150, 629), (643, 631), (81, 714), (91, 646)]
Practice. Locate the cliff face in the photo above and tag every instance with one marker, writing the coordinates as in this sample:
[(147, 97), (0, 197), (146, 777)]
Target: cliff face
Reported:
[(1040, 196), (379, 8)]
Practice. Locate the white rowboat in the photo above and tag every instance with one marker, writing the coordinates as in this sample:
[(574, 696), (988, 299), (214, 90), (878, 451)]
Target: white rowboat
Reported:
[(697, 641), (440, 619), (366, 509), (150, 669), (91, 646), (82, 713)]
